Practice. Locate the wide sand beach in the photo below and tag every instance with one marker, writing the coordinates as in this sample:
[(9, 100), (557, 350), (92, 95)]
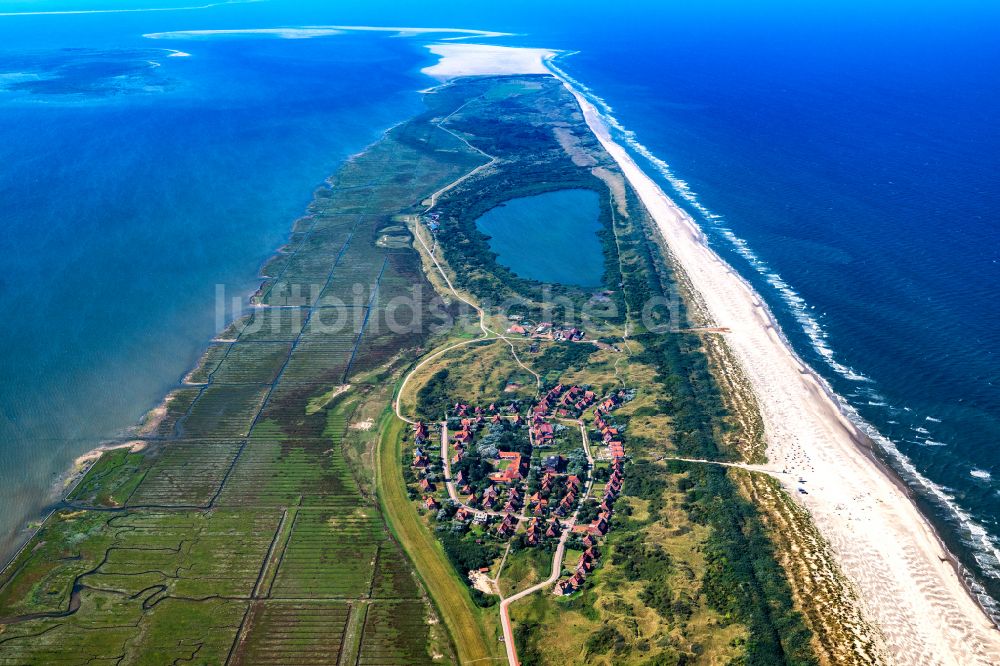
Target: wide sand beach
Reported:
[(904, 577)]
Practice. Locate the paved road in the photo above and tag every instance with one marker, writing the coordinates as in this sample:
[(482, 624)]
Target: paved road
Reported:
[(450, 485), (557, 559), (508, 632)]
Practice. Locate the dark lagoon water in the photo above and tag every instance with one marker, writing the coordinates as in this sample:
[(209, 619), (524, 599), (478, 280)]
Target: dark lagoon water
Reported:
[(550, 237)]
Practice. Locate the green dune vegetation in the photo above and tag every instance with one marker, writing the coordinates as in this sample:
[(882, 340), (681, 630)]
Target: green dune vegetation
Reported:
[(276, 512), (689, 571)]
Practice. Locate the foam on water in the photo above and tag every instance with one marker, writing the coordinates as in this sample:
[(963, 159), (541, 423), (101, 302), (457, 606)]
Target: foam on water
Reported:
[(797, 305), (983, 547)]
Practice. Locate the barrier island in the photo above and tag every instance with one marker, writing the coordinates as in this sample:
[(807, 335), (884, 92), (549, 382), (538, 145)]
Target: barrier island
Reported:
[(410, 453)]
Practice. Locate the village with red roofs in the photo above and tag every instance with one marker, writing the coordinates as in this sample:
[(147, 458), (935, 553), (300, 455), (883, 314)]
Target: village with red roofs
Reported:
[(532, 475)]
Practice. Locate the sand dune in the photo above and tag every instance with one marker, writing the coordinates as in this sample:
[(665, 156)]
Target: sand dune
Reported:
[(885, 547)]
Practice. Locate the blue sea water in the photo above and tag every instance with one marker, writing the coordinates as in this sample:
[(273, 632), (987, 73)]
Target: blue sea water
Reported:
[(849, 171), (842, 156)]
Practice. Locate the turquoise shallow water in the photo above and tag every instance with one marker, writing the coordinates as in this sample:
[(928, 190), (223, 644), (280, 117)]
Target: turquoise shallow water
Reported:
[(549, 237), (134, 184)]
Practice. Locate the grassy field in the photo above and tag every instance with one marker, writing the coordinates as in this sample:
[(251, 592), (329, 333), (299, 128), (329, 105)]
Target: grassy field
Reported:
[(268, 518), (690, 572), (472, 631), (246, 530)]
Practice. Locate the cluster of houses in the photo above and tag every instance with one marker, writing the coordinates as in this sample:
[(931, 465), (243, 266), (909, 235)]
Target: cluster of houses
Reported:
[(493, 498), (503, 497), (612, 489), (586, 563), (421, 462), (540, 502), (537, 530), (503, 493), (560, 401), (516, 467), (473, 418), (546, 331)]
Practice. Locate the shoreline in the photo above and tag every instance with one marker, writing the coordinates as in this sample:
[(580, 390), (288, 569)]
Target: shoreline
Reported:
[(65, 481), (62, 488), (899, 599), (738, 306)]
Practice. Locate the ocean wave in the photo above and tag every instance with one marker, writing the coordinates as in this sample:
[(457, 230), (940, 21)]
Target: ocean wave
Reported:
[(797, 305), (981, 474), (981, 546)]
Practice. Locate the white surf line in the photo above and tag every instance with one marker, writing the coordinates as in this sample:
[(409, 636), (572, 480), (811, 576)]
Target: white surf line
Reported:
[(133, 10), (884, 544), (797, 306), (984, 549)]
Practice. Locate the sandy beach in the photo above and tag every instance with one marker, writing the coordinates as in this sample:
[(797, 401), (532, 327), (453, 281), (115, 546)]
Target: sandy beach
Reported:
[(886, 548), (884, 545)]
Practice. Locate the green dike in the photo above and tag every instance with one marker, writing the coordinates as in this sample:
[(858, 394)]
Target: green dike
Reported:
[(450, 594)]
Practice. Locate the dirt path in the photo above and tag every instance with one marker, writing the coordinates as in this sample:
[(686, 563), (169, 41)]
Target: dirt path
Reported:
[(762, 469)]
